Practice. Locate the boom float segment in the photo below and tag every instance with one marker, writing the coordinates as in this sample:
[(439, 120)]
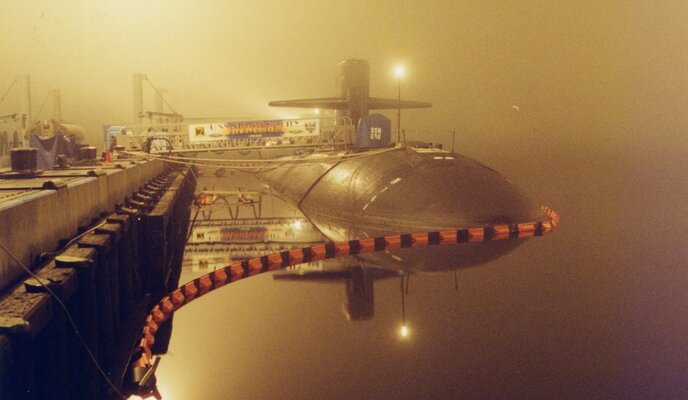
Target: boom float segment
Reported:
[(142, 355)]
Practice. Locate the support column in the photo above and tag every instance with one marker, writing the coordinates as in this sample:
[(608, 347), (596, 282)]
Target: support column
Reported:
[(25, 105), (138, 102)]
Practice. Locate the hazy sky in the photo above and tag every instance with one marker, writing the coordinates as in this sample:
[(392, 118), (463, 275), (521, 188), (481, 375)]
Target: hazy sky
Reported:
[(582, 71)]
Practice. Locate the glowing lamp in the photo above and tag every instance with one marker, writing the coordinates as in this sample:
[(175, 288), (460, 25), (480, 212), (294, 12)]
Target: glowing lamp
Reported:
[(399, 71)]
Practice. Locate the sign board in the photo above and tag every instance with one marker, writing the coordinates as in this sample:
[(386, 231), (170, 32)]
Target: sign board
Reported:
[(254, 129), (373, 130)]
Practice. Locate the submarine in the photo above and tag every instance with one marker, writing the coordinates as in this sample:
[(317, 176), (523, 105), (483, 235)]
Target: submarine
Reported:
[(380, 204), (385, 189)]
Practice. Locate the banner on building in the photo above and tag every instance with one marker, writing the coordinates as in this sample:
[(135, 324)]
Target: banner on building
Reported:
[(254, 129)]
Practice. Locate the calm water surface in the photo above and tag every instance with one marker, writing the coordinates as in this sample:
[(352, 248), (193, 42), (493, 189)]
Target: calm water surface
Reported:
[(595, 310)]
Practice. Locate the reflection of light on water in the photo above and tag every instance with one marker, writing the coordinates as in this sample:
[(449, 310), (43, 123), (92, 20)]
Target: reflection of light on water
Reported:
[(404, 331), (150, 397)]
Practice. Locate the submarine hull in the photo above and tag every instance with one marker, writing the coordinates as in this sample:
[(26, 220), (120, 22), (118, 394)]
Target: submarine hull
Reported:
[(404, 190)]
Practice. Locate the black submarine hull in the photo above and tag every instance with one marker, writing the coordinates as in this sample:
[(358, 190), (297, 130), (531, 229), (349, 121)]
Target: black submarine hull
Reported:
[(356, 195)]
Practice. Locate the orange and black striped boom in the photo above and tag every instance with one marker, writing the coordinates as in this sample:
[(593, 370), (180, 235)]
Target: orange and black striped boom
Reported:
[(142, 357)]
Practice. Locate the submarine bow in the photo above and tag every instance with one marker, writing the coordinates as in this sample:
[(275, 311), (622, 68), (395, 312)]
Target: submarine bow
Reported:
[(403, 190)]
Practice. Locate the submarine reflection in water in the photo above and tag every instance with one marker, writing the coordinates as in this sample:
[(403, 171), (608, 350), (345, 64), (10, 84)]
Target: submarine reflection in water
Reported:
[(358, 283), (355, 195)]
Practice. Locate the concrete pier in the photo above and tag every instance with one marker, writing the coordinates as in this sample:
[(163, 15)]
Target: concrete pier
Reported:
[(132, 220), (35, 214)]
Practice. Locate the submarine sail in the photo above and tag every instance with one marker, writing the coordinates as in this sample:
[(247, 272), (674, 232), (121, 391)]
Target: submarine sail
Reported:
[(366, 193)]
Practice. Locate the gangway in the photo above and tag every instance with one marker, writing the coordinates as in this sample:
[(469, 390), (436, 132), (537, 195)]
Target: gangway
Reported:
[(233, 200)]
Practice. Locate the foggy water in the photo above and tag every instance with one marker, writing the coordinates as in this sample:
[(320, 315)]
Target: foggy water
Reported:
[(595, 310)]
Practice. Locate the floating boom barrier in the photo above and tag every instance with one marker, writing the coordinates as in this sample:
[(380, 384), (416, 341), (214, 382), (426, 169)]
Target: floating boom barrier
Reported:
[(142, 366)]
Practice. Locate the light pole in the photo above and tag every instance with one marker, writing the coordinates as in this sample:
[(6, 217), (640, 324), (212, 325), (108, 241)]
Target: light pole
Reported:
[(399, 73)]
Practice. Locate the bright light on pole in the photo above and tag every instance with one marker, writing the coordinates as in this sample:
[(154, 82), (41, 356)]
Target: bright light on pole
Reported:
[(399, 73)]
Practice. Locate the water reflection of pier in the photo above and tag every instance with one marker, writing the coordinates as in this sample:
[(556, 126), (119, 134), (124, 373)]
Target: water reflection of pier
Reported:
[(215, 243)]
